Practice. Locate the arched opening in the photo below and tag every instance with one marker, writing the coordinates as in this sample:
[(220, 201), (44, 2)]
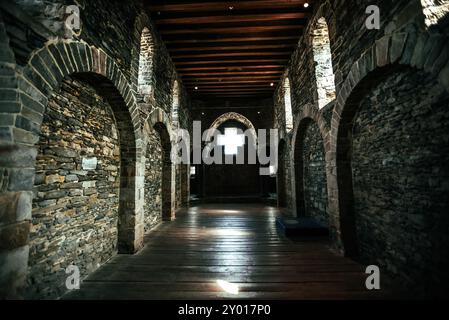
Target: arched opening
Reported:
[(288, 106), (167, 174), (310, 173), (83, 185), (231, 180), (435, 11), (392, 166), (146, 57), (322, 56), (175, 104), (281, 183)]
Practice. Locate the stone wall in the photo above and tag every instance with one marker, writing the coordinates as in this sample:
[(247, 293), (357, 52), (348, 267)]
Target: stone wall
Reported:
[(314, 175), (153, 182), (401, 179), (390, 232), (348, 37), (37, 54), (75, 204)]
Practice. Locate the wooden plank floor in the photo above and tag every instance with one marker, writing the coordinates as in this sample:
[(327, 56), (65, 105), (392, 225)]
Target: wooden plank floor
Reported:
[(236, 243)]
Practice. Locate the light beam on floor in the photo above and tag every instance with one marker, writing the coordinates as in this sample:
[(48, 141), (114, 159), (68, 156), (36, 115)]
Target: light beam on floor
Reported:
[(228, 287)]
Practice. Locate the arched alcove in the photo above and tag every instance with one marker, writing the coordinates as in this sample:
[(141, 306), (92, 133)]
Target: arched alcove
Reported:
[(86, 159), (324, 74), (310, 172), (392, 157)]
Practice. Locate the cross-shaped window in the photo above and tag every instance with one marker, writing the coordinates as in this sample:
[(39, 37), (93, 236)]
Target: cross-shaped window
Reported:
[(231, 140)]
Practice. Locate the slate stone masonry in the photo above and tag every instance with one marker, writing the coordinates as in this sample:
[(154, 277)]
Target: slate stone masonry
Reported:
[(75, 204)]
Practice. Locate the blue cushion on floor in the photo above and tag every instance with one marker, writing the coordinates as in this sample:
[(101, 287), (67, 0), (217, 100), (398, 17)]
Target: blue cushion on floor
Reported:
[(301, 227)]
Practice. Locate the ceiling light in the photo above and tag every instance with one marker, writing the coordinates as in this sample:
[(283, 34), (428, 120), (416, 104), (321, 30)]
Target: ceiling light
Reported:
[(306, 5), (196, 88), (231, 8), (272, 84)]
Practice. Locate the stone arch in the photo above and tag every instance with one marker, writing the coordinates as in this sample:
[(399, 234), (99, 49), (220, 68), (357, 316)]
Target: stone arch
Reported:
[(309, 115), (161, 123), (37, 81), (237, 117), (387, 54), (47, 68)]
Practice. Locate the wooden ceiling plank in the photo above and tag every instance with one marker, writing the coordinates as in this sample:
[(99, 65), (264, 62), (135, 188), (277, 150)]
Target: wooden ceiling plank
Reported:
[(232, 30), (231, 54), (239, 62), (234, 39), (234, 47), (235, 18), (199, 6)]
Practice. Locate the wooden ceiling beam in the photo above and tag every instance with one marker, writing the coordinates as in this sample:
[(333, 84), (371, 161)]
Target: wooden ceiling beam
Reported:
[(231, 39), (230, 48), (199, 82), (231, 73), (230, 30), (230, 54), (230, 68), (233, 47), (163, 6), (239, 62), (231, 18)]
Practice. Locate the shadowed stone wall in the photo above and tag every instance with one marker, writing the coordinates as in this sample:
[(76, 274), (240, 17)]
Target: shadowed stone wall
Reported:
[(314, 166), (401, 179), (36, 55), (386, 165)]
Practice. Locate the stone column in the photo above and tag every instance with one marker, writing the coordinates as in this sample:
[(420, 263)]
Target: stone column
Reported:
[(16, 182)]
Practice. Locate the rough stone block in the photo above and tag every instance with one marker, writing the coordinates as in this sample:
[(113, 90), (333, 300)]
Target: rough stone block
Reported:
[(37, 80), (7, 119), (26, 124), (409, 48), (398, 42), (9, 107), (440, 62), (40, 67), (444, 76), (14, 235), (433, 47), (419, 54), (57, 57), (24, 137), (17, 156), (13, 271), (65, 57), (382, 47), (21, 179)]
